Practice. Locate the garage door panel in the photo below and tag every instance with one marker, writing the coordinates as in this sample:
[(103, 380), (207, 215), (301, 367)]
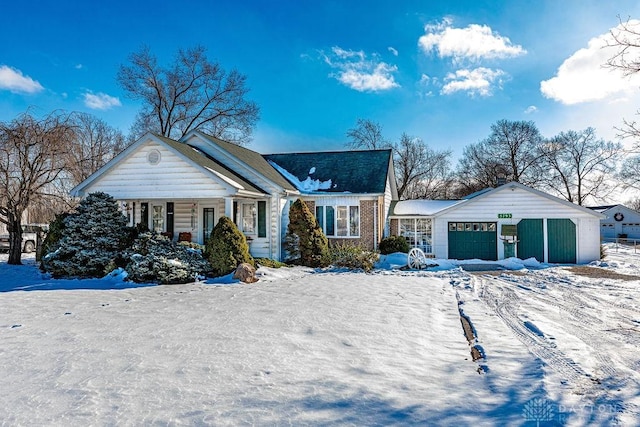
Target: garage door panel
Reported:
[(561, 238), (470, 240), (531, 239)]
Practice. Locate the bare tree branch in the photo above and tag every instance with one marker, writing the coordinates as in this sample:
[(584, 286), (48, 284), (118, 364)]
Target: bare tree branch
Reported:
[(192, 93)]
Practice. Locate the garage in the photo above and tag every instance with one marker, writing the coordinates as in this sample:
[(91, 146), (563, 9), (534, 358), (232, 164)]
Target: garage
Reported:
[(471, 240), (499, 223)]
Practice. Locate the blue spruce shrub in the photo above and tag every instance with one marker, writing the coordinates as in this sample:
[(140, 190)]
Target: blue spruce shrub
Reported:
[(90, 240)]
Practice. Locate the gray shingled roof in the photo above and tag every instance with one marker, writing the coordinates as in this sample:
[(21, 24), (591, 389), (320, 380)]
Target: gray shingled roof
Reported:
[(206, 161), (252, 159), (349, 171)]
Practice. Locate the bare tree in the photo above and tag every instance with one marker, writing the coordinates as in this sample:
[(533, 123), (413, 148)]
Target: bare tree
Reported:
[(421, 171), (625, 39), (32, 156), (191, 93), (630, 172), (578, 166), (95, 143), (367, 134), (633, 204), (477, 171), (511, 152)]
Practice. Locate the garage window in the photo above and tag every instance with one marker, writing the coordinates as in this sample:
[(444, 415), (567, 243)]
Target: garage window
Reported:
[(472, 226), (418, 233)]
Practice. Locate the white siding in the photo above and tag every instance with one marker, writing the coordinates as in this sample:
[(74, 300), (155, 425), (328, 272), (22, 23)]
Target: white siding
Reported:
[(521, 204), (388, 198), (173, 177)]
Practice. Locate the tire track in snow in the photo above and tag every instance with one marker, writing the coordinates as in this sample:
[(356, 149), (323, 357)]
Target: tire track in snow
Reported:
[(505, 304)]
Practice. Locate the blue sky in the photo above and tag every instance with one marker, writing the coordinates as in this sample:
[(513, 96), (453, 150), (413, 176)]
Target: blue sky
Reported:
[(443, 71)]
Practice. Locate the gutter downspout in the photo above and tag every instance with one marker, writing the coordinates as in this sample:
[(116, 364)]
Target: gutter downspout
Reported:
[(375, 225)]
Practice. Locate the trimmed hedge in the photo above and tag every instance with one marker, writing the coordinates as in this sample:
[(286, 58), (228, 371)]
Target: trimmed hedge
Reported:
[(392, 244)]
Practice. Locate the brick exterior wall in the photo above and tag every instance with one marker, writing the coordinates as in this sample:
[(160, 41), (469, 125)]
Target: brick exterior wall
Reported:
[(394, 227)]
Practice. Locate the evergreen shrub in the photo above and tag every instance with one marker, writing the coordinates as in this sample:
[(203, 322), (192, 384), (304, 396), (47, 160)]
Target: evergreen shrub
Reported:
[(52, 240), (393, 244), (154, 258), (90, 239), (227, 248), (352, 256), (305, 242)]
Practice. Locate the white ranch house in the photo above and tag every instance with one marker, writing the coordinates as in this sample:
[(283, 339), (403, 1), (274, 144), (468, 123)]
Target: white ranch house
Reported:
[(509, 221), (182, 188)]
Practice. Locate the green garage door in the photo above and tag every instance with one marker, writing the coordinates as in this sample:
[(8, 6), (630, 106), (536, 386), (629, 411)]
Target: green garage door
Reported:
[(469, 240), (561, 238), (531, 239)]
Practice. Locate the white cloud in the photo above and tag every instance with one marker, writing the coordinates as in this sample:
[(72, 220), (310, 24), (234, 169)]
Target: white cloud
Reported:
[(474, 42), (14, 81), (100, 101), (582, 77), (531, 109), (393, 51), (356, 71), (478, 81), (78, 66)]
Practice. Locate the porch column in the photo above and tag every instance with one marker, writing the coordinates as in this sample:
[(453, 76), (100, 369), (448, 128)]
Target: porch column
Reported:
[(228, 207)]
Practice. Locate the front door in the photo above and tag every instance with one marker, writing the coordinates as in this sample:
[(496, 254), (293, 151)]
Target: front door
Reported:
[(208, 218)]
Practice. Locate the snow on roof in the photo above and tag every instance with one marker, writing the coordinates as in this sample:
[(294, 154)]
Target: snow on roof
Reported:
[(423, 207), (309, 185)]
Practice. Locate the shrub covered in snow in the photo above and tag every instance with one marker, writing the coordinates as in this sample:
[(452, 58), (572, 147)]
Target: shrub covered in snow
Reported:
[(393, 244), (227, 248), (52, 239), (155, 258), (305, 242), (91, 239), (352, 256)]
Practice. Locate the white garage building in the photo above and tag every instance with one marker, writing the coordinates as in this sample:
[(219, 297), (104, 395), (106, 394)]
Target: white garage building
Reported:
[(620, 222), (512, 220)]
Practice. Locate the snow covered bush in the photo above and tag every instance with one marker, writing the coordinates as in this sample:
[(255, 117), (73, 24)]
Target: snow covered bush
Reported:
[(227, 248), (153, 258), (305, 242), (352, 256), (52, 239), (91, 239), (393, 244)]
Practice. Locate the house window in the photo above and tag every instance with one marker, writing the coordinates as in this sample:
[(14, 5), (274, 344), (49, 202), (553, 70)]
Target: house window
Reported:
[(248, 218), (418, 233), (339, 221)]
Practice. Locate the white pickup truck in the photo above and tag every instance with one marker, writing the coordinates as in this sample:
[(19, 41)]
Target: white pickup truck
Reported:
[(29, 238)]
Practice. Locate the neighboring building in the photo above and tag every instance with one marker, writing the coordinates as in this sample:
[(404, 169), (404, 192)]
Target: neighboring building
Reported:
[(512, 220), (182, 188), (620, 222)]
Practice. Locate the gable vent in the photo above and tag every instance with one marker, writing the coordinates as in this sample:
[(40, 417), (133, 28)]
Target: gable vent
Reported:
[(153, 157)]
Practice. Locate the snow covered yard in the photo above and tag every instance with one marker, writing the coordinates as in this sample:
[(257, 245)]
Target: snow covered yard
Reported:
[(302, 347)]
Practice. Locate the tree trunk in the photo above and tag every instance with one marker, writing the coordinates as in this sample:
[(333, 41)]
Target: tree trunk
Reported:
[(15, 242)]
